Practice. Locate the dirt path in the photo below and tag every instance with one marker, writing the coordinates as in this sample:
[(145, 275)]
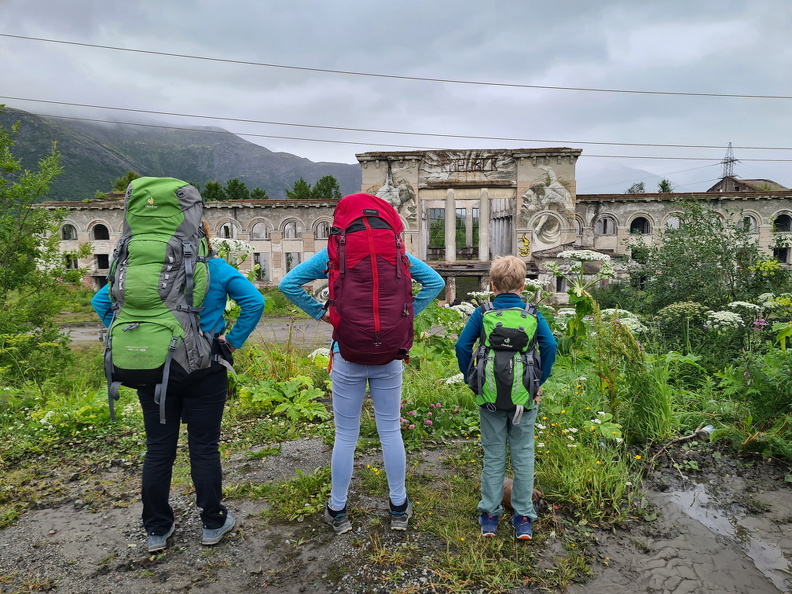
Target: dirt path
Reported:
[(726, 528), (303, 331)]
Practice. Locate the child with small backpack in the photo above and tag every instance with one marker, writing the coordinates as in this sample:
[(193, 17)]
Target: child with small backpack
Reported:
[(371, 308), (506, 373)]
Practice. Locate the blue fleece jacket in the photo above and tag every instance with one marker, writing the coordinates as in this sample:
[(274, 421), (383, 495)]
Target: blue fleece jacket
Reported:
[(224, 281), (472, 332)]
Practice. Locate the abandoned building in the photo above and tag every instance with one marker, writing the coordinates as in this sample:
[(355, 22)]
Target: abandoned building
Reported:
[(460, 208)]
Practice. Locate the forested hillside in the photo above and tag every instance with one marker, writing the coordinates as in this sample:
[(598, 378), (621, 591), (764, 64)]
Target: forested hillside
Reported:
[(94, 155)]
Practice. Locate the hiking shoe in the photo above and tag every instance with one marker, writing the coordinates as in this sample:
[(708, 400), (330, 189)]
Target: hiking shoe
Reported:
[(337, 519), (400, 517), (157, 542), (489, 524), (522, 527), (212, 537)]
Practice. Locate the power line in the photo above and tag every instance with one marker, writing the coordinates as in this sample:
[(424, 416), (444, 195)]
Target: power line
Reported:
[(413, 147), (394, 76), (375, 131)]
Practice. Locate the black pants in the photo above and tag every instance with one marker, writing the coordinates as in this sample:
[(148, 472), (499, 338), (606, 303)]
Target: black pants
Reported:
[(199, 401)]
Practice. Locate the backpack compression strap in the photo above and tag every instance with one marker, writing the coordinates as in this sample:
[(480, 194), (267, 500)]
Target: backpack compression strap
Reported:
[(518, 413)]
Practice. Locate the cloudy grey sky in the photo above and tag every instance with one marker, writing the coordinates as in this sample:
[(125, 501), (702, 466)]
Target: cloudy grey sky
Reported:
[(277, 71)]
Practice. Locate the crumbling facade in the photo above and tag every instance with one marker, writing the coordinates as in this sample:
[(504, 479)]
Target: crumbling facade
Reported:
[(460, 208)]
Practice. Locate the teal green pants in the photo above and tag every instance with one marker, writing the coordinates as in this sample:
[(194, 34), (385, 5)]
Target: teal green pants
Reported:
[(498, 435)]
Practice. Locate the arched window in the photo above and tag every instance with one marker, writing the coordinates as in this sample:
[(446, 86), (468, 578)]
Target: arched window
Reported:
[(605, 226), (292, 229), (578, 227), (100, 232), (750, 224), (228, 231), (672, 222), (68, 232), (783, 223), (640, 225), (260, 231), (322, 230)]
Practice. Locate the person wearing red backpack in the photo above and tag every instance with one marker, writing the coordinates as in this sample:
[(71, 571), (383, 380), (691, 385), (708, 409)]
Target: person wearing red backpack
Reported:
[(371, 309)]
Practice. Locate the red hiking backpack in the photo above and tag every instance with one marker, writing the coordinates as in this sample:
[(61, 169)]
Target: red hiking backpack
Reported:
[(371, 301)]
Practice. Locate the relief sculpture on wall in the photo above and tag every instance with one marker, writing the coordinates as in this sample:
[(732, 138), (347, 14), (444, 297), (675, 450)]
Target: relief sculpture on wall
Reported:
[(545, 207), (401, 196)]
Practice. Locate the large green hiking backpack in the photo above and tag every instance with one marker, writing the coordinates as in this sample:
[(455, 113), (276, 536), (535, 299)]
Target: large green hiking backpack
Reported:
[(506, 368), (157, 283)]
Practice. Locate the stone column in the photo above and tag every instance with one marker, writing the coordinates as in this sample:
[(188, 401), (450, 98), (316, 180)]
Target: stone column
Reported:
[(484, 226), (450, 227), (450, 292)]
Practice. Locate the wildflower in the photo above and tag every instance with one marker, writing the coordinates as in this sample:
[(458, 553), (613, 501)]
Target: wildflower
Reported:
[(540, 426), (427, 422), (464, 308), (454, 379), (411, 427), (571, 445), (584, 256), (412, 413), (540, 445), (638, 457), (320, 352), (744, 305)]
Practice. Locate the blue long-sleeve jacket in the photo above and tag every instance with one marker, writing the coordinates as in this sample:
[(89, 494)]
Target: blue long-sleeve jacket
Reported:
[(316, 267), (224, 281), (472, 332)]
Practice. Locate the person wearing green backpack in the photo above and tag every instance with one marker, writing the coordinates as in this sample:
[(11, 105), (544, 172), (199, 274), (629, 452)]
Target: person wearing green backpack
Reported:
[(197, 396), (506, 374)]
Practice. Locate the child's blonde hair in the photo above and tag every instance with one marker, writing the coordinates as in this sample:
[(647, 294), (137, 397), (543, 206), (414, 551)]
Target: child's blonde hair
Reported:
[(507, 274)]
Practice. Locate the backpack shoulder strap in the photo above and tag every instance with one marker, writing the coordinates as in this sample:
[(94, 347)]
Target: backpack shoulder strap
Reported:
[(484, 308), (531, 309)]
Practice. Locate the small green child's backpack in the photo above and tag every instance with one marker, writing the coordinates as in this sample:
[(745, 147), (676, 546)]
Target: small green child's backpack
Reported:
[(157, 283), (506, 368)]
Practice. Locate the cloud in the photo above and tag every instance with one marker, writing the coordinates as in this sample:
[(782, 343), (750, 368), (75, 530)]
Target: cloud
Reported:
[(723, 46)]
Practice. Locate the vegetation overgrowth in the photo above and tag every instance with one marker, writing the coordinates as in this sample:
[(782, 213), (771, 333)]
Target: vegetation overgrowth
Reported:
[(636, 369)]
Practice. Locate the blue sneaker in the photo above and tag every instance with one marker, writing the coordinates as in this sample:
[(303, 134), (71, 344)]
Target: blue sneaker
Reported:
[(157, 542), (489, 524), (522, 527), (213, 536)]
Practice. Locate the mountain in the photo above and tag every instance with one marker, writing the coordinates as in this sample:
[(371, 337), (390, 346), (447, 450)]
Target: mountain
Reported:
[(94, 155)]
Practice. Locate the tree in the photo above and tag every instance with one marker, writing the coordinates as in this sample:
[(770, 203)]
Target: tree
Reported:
[(259, 194), (120, 185), (236, 190), (665, 186), (636, 188), (300, 191), (708, 259), (326, 188), (214, 191), (32, 268)]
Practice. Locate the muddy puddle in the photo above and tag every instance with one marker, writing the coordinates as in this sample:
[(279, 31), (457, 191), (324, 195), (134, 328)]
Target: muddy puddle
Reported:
[(705, 537)]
